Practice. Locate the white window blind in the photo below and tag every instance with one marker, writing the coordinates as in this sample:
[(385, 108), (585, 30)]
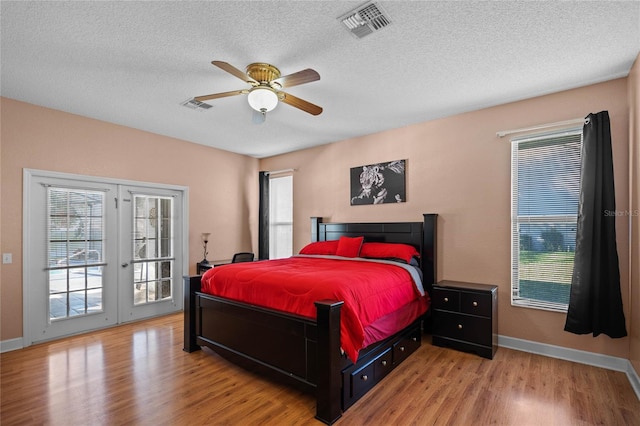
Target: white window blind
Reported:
[(545, 177), (280, 217), (76, 243)]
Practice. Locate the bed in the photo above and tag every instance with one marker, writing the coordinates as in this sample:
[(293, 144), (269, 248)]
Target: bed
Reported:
[(306, 351)]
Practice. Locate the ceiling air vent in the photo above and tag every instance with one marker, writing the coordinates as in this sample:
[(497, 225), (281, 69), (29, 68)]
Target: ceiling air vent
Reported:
[(193, 104), (365, 19)]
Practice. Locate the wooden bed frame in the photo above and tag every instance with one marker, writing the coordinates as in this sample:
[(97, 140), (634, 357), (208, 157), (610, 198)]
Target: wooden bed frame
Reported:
[(303, 351)]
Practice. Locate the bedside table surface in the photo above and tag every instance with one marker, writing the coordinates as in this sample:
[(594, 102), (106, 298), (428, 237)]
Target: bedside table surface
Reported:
[(460, 285), (202, 267)]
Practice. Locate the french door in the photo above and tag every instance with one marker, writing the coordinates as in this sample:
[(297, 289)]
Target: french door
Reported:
[(98, 253), (151, 265)]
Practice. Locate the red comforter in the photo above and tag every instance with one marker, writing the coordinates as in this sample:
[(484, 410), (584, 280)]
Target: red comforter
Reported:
[(369, 290)]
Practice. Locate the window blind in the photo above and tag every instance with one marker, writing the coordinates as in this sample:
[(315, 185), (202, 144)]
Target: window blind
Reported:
[(545, 175)]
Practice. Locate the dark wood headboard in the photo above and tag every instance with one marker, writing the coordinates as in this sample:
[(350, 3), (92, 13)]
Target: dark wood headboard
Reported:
[(421, 235)]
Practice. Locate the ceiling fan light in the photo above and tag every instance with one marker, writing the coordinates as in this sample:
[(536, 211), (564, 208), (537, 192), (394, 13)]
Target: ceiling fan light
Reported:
[(263, 99)]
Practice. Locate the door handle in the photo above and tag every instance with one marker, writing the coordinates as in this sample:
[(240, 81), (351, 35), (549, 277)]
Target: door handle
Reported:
[(125, 264)]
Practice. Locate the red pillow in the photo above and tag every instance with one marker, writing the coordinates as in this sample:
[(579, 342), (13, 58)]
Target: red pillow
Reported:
[(389, 251), (321, 247), (349, 246)]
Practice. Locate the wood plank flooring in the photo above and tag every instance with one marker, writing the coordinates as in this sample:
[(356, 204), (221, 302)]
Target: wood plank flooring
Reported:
[(137, 374)]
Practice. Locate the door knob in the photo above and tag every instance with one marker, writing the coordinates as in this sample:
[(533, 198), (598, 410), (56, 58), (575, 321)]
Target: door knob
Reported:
[(125, 264)]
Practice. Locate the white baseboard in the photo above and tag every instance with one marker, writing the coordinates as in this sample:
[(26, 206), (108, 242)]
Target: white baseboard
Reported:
[(575, 355), (11, 345), (634, 379)]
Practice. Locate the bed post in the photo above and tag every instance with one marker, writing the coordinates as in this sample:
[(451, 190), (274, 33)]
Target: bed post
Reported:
[(329, 396), (191, 285), (429, 236)]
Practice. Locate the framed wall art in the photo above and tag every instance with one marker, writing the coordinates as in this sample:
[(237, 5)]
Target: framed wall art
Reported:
[(378, 183)]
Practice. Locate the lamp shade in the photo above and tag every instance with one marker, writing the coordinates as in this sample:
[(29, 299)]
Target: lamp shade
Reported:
[(263, 99)]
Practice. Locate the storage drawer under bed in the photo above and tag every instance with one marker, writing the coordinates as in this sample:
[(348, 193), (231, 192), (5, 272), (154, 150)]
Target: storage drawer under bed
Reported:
[(374, 366)]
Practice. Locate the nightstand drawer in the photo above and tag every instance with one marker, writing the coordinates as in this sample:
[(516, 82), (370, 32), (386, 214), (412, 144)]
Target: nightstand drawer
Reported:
[(463, 327), (476, 304), (448, 300)]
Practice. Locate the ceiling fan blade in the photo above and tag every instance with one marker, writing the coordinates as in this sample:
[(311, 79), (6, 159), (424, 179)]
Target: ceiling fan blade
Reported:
[(220, 95), (234, 71), (300, 77), (300, 104)]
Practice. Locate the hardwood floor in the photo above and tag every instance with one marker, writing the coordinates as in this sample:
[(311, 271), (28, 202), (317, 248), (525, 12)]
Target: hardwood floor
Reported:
[(138, 374)]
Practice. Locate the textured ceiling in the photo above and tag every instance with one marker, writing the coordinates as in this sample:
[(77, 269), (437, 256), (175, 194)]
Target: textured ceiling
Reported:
[(133, 63)]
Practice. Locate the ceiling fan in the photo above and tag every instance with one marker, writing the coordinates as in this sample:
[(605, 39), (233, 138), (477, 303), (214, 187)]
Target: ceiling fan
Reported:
[(266, 84)]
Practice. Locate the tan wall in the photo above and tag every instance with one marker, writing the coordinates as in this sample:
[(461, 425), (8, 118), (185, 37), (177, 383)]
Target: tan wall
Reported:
[(634, 178), (458, 168), (223, 189)]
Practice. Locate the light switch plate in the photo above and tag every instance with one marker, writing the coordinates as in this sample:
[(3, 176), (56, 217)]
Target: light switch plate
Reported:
[(7, 258)]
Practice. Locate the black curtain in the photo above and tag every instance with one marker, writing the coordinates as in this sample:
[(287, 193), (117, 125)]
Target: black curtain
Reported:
[(595, 303), (263, 220)]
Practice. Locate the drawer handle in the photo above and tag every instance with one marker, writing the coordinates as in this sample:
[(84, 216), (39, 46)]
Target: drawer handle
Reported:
[(384, 363), (446, 299), (459, 326), (401, 348), (475, 303), (364, 377)]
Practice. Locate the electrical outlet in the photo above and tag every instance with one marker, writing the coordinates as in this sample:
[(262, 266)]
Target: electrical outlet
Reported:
[(7, 258)]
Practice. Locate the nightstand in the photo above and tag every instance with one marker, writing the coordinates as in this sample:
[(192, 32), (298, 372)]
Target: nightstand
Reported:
[(201, 268), (465, 317)]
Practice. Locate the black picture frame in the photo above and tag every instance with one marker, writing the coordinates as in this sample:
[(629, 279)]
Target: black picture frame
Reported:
[(380, 183)]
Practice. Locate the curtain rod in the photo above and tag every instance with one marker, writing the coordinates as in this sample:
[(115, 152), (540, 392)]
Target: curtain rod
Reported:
[(503, 133), (275, 172)]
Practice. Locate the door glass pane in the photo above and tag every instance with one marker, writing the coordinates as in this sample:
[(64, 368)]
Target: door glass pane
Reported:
[(152, 248), (75, 251)]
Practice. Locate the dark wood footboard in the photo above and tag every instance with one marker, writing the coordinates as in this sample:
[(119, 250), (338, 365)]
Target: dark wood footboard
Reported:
[(298, 348)]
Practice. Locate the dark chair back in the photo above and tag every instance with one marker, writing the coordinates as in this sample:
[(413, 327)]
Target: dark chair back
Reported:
[(242, 257)]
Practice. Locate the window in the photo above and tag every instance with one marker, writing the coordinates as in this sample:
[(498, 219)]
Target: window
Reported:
[(280, 217), (545, 183)]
